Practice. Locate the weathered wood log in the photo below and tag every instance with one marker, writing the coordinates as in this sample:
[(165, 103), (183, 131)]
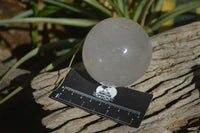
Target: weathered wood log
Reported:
[(173, 77)]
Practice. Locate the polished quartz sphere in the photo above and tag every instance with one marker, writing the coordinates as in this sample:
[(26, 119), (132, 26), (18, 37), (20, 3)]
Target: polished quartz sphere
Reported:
[(116, 52)]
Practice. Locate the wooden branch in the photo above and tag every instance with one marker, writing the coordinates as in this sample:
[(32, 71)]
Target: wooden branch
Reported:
[(173, 77)]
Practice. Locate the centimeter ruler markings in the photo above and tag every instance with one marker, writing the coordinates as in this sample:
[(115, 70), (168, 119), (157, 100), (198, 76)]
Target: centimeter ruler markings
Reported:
[(97, 106)]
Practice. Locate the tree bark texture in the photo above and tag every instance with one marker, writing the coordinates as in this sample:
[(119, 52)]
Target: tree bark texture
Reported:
[(173, 77)]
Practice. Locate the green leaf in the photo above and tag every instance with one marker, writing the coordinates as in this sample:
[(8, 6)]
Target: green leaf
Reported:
[(132, 4), (121, 5), (123, 9), (138, 10), (158, 5), (146, 10), (26, 13), (11, 94), (34, 34), (66, 5), (35, 7), (116, 9), (126, 11), (155, 11), (71, 7), (175, 12), (62, 21), (99, 6), (62, 52), (48, 10)]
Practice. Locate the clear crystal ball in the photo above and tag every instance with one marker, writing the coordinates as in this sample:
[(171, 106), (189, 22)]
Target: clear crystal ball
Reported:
[(117, 52)]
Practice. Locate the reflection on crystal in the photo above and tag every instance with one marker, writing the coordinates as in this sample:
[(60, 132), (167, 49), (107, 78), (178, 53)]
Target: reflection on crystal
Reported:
[(100, 60), (125, 50)]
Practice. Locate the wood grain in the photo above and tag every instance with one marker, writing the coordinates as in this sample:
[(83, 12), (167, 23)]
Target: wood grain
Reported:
[(173, 77)]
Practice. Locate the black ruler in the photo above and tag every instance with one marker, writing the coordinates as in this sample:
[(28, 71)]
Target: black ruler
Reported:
[(123, 105)]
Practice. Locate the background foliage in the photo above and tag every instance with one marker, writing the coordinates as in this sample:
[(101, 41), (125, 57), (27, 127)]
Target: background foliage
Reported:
[(78, 17)]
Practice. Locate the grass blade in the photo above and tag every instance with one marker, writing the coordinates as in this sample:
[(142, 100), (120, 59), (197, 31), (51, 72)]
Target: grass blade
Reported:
[(48, 10), (121, 6), (126, 10), (99, 6), (62, 21), (116, 9), (146, 12), (71, 7), (158, 6), (25, 14), (138, 10), (12, 94), (175, 12), (155, 11)]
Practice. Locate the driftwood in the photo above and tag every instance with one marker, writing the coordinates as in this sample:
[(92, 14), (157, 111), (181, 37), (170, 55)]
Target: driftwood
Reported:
[(173, 77)]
